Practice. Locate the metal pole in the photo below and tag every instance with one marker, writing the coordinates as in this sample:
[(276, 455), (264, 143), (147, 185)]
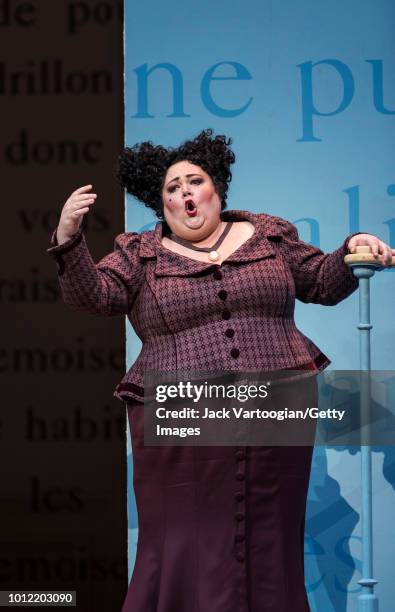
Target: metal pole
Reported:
[(364, 265), (367, 599)]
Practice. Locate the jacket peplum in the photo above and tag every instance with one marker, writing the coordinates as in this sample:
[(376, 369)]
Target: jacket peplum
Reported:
[(197, 316)]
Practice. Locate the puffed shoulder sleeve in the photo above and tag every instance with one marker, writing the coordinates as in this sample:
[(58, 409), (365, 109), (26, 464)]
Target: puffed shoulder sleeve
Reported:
[(321, 278), (107, 288)]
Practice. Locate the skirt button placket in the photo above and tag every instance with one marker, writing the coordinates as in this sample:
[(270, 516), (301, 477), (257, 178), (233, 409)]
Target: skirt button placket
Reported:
[(240, 525)]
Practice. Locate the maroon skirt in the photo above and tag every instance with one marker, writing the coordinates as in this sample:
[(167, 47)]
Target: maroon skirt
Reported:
[(221, 528)]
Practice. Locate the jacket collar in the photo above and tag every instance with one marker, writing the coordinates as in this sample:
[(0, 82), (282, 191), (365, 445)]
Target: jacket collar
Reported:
[(172, 264)]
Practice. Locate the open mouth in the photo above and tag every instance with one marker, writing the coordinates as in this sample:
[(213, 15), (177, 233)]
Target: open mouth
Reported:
[(190, 208)]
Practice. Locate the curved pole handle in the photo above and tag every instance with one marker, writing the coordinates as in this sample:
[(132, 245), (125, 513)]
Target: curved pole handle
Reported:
[(364, 255)]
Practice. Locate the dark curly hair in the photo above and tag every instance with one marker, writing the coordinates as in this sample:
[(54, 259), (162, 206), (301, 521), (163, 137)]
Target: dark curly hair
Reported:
[(142, 168)]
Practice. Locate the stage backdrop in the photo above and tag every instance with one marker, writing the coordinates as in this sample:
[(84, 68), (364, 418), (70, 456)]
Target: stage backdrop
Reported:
[(307, 91)]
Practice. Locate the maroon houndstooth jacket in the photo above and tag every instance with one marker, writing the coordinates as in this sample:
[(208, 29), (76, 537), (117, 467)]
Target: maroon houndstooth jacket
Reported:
[(198, 316)]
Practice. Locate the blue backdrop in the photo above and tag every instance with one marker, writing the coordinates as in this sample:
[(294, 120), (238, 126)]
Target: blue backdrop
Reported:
[(307, 91)]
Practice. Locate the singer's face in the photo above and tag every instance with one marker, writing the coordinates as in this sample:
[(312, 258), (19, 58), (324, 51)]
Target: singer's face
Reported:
[(191, 205)]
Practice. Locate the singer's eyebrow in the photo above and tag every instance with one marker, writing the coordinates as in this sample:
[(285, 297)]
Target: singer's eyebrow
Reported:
[(188, 175)]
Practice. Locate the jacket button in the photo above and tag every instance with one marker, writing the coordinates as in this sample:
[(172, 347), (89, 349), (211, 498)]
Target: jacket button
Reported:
[(226, 315), (217, 275), (222, 294), (240, 454), (239, 537), (240, 556), (240, 476), (230, 332), (239, 516), (235, 352), (239, 496)]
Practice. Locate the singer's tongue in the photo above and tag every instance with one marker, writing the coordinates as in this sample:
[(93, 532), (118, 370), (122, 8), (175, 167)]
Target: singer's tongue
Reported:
[(190, 208)]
